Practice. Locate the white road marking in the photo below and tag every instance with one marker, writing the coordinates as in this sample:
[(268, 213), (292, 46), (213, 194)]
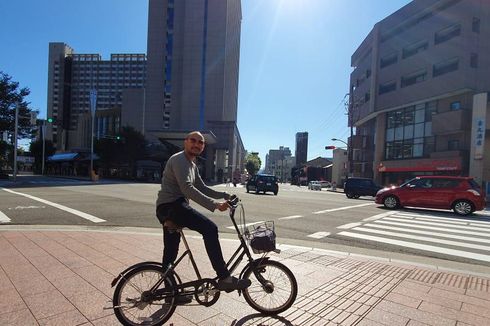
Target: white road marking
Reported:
[(25, 207), (435, 223), (241, 226), (442, 250), (377, 217), (434, 228), (319, 235), (432, 217), (4, 218), (437, 234), (290, 217), (63, 208), (428, 239), (341, 208), (348, 226)]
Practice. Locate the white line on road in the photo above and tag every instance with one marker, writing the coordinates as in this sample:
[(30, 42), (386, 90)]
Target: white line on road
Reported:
[(377, 217), (442, 250), (4, 218), (428, 239), (462, 227), (437, 234), (63, 208), (290, 217), (319, 235), (410, 226), (348, 226), (341, 208)]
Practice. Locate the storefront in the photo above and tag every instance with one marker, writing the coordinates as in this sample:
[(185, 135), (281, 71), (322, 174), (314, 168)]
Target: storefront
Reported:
[(397, 172)]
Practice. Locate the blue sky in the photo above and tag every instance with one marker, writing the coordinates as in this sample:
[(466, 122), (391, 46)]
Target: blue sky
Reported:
[(294, 60)]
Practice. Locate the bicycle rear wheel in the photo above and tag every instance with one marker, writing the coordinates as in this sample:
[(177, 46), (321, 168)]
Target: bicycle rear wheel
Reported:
[(134, 304), (273, 289)]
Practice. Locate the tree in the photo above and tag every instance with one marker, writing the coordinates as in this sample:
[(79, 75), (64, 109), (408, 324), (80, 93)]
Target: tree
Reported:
[(11, 96), (253, 163), (36, 149)]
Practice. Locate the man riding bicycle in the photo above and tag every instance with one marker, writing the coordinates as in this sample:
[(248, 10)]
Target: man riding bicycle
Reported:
[(181, 181)]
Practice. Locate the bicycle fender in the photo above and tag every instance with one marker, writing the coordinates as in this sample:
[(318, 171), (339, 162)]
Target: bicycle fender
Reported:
[(118, 277), (253, 264)]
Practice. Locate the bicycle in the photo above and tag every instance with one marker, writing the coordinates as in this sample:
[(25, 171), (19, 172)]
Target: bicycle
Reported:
[(146, 292)]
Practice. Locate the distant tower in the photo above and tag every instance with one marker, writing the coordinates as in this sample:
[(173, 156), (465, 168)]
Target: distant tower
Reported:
[(301, 148)]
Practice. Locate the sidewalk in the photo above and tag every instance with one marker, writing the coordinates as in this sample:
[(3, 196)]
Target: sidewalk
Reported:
[(62, 276)]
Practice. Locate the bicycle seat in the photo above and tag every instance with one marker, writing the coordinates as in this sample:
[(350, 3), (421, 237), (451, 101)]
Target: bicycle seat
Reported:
[(171, 226)]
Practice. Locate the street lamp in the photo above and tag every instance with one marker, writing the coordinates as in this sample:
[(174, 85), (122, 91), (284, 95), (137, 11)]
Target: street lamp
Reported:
[(340, 140)]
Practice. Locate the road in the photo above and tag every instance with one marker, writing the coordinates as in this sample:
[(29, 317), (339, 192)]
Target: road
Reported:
[(313, 218)]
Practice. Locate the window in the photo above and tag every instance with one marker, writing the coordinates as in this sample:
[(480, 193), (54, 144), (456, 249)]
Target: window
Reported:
[(453, 145), (388, 60), (445, 67), (414, 78), (414, 49), (474, 60), (447, 33), (387, 87), (455, 106), (409, 132), (367, 97), (475, 26), (368, 73)]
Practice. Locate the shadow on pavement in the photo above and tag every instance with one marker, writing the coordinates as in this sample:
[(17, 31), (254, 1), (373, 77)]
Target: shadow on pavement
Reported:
[(259, 319)]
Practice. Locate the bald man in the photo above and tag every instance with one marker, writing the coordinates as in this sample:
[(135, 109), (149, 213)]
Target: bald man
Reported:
[(181, 181)]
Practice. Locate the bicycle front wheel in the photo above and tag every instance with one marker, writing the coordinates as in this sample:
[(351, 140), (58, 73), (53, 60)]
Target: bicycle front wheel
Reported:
[(273, 289), (135, 304)]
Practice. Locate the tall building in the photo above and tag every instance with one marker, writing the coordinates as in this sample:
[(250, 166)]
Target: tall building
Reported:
[(301, 152), (71, 76), (419, 93), (279, 162), (192, 79)]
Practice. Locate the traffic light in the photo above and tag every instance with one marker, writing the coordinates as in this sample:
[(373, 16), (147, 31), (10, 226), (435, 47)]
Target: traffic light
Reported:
[(50, 120), (330, 147), (118, 137)]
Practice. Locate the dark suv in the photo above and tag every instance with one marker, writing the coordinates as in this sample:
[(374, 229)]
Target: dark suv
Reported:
[(264, 183), (356, 187)]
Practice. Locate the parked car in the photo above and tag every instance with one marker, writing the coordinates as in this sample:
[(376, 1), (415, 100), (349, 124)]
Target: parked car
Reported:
[(461, 194), (314, 185), (325, 184), (356, 187), (264, 183)]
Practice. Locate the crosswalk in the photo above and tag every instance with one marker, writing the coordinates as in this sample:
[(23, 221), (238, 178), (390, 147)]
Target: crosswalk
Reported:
[(435, 232)]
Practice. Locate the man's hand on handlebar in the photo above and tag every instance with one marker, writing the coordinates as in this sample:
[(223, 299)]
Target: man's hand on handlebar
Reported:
[(222, 206)]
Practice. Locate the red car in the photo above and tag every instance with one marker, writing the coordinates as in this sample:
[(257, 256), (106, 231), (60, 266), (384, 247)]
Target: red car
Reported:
[(461, 194)]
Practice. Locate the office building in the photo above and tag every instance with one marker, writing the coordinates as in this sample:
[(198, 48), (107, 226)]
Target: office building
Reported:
[(301, 152), (71, 76), (419, 93), (192, 79), (279, 162)]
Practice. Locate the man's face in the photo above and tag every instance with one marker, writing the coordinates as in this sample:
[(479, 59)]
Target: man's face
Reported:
[(194, 144)]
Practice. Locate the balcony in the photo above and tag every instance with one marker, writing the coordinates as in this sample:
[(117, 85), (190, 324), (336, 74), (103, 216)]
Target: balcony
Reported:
[(450, 122)]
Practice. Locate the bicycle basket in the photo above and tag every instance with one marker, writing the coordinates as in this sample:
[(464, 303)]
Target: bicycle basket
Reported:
[(261, 237)]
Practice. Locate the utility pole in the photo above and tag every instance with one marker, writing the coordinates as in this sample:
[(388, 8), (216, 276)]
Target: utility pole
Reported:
[(15, 139), (43, 131), (350, 112), (93, 107)]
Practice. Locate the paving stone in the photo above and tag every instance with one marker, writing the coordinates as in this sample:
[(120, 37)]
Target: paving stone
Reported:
[(48, 304), (454, 314), (387, 318), (73, 317), (20, 317)]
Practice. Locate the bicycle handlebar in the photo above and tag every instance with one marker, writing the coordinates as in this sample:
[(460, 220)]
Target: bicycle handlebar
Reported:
[(233, 201)]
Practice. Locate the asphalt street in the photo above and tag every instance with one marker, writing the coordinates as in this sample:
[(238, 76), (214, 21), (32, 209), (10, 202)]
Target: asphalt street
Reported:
[(320, 219)]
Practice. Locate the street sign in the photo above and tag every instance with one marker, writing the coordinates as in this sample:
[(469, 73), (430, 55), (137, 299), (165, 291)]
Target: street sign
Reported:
[(93, 101)]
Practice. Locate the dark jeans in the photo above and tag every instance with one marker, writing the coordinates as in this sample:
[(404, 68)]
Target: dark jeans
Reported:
[(185, 216)]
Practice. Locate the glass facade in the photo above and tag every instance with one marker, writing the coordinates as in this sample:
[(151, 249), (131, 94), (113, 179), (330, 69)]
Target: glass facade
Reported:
[(409, 132)]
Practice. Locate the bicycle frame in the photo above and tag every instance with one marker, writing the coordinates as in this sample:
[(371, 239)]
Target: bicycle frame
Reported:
[(232, 263)]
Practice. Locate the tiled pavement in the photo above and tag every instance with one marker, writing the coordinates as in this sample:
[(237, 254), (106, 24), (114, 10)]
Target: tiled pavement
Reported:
[(62, 277)]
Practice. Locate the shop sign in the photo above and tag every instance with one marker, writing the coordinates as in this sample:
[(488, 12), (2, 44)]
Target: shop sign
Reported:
[(480, 138)]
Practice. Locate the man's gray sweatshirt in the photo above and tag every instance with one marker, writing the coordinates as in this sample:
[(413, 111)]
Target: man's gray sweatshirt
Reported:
[(181, 178)]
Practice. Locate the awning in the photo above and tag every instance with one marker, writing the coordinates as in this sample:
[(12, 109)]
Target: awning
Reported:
[(422, 165), (68, 157)]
